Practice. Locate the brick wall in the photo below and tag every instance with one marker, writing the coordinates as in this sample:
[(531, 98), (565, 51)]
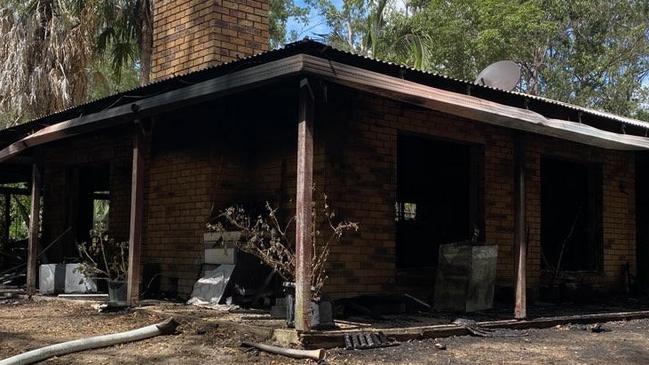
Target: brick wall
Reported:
[(186, 178), (357, 169), (194, 171), (192, 34), (361, 173)]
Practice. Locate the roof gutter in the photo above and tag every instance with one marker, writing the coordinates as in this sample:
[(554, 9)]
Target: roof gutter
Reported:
[(358, 78)]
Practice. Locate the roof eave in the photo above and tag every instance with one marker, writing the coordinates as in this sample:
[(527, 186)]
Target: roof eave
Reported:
[(220, 86), (358, 78)]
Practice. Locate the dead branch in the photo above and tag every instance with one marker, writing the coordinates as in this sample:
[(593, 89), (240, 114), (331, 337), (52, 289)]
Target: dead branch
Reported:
[(267, 239)]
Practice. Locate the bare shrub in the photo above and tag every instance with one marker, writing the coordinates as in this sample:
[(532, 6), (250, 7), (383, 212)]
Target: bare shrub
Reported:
[(104, 257), (267, 239)]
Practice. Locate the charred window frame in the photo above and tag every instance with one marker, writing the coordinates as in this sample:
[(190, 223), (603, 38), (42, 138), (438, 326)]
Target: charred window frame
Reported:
[(571, 215), (439, 197)]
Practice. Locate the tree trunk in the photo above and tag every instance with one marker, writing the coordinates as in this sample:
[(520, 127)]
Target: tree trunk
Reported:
[(145, 18)]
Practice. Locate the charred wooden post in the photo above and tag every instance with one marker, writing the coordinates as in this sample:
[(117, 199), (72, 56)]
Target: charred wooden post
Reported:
[(520, 242), (34, 227), (137, 217), (7, 218), (303, 209)]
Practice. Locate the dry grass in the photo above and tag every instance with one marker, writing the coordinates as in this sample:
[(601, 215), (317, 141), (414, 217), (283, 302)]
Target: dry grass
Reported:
[(28, 325)]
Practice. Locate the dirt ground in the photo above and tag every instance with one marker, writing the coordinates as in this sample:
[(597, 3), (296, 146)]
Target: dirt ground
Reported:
[(27, 325)]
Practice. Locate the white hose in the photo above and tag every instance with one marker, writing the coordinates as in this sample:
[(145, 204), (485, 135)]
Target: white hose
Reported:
[(30, 357)]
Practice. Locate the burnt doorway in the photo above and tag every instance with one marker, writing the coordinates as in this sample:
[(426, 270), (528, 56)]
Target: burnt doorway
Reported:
[(439, 200), (571, 205), (88, 203), (642, 215)]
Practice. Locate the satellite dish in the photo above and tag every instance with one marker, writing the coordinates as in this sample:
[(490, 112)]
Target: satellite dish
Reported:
[(500, 75)]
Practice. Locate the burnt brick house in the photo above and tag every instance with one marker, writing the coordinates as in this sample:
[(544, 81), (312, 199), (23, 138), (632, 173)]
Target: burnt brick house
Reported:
[(416, 158)]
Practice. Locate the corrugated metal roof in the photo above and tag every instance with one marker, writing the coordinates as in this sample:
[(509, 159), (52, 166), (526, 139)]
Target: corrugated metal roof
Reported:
[(598, 113), (314, 48), (602, 114)]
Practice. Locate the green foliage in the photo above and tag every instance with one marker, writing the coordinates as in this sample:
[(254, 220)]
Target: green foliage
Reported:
[(104, 80), (348, 23), (124, 35), (18, 230), (59, 53), (101, 210), (588, 52), (280, 13), (18, 213)]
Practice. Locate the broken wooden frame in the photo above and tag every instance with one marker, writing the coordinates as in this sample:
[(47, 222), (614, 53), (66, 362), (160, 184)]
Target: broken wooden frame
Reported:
[(457, 104)]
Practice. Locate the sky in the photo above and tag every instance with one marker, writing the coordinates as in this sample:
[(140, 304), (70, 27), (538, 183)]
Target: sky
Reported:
[(315, 25)]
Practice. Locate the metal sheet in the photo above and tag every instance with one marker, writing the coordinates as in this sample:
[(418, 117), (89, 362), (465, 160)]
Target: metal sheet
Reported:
[(76, 282), (209, 289)]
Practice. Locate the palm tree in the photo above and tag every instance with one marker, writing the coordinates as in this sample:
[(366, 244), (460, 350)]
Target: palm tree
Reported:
[(126, 34), (59, 53), (45, 47)]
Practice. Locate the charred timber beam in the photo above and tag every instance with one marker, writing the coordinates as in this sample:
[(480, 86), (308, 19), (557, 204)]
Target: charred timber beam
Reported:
[(137, 217), (304, 208), (520, 241), (34, 227), (336, 338)]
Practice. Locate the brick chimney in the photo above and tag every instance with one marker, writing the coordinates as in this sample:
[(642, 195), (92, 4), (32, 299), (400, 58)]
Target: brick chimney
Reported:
[(189, 35)]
